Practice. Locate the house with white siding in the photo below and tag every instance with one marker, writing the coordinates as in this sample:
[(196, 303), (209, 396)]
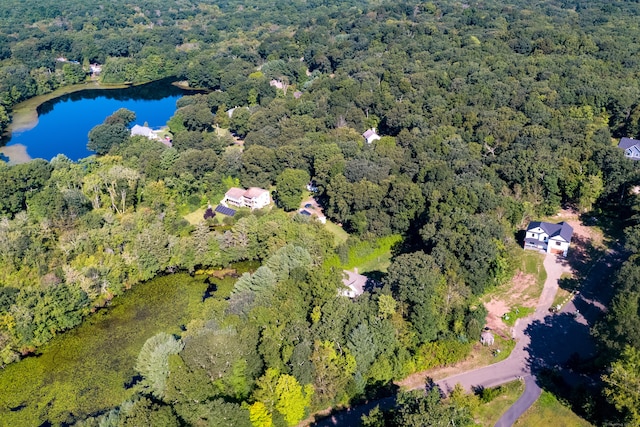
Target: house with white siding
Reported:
[(548, 237)]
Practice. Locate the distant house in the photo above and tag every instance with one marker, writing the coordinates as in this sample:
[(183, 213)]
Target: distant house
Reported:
[(253, 198), (370, 135), (354, 283), (95, 69), (277, 84), (145, 131), (548, 237), (631, 148)]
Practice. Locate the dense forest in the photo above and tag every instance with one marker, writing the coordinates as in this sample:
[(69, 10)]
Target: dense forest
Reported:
[(491, 113)]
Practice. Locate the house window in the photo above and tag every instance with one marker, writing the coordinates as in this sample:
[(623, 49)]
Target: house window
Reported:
[(558, 243)]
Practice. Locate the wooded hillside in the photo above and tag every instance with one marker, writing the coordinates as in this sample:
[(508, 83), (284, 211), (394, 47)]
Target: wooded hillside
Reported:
[(490, 114)]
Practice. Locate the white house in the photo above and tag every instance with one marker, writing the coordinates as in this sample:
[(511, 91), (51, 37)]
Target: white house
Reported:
[(370, 135), (354, 283), (143, 131), (253, 198), (548, 237), (631, 148)]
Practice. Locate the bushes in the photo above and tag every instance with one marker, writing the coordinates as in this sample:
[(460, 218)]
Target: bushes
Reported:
[(440, 353)]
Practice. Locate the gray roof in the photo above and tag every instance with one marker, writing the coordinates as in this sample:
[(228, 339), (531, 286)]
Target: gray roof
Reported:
[(561, 229), (627, 143), (369, 133)]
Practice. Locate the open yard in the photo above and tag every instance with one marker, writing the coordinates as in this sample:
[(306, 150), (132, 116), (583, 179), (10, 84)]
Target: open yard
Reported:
[(548, 411), (519, 296), (341, 236), (487, 414)]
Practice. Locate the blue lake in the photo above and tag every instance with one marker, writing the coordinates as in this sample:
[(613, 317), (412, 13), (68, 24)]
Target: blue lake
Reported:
[(64, 122)]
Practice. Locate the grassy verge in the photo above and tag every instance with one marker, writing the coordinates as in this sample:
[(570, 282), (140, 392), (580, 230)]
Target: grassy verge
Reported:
[(548, 411), (500, 350), (487, 414)]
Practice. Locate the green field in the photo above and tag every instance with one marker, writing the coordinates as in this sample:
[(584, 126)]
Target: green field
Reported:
[(548, 411), (341, 236)]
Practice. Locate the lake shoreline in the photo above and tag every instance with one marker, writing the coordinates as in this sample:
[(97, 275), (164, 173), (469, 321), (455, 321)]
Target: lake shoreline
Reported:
[(24, 115)]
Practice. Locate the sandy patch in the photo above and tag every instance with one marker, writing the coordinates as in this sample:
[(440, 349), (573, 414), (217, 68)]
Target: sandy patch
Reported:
[(581, 231), (15, 153), (518, 294)]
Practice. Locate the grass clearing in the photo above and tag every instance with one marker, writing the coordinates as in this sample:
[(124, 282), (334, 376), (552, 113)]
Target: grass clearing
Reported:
[(530, 265), (372, 256), (340, 235), (517, 312), (195, 217), (548, 411), (487, 414)]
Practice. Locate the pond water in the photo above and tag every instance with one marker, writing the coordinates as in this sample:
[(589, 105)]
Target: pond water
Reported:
[(64, 122)]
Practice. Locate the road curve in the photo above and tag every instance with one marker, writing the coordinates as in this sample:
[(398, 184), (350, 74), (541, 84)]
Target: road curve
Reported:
[(531, 393), (531, 342), (515, 366)]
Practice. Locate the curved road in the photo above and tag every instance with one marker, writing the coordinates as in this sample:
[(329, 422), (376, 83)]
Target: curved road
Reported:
[(543, 340), (516, 365)]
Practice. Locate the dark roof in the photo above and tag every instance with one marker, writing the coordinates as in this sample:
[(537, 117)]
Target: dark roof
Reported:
[(561, 229), (627, 143), (225, 210), (530, 241), (305, 212)]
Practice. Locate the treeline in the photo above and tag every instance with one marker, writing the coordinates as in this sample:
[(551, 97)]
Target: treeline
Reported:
[(618, 335)]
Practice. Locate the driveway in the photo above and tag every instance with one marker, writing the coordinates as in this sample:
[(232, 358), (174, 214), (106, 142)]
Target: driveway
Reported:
[(544, 341)]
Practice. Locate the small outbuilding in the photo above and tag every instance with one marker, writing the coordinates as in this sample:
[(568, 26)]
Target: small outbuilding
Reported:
[(487, 338)]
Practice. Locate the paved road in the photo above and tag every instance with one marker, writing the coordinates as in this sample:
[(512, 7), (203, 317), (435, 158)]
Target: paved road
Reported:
[(516, 365), (531, 393), (543, 340)]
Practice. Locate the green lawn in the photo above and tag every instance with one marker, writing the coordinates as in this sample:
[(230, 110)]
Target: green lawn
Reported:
[(531, 263), (195, 217), (548, 411), (517, 312), (372, 256), (341, 236), (487, 414)]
